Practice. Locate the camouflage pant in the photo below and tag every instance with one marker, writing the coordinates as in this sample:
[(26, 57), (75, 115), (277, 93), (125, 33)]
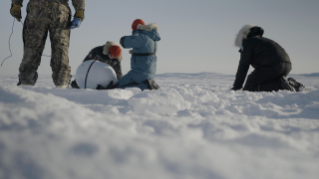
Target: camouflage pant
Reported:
[(43, 17)]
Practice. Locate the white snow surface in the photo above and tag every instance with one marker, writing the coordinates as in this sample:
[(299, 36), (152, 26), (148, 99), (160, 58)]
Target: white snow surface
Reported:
[(194, 127)]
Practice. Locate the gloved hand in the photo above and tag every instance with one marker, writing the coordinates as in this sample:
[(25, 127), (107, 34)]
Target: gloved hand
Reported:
[(15, 11), (100, 87), (75, 23), (79, 14)]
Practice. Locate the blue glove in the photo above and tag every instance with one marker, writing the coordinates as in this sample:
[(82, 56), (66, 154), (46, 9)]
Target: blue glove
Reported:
[(75, 23)]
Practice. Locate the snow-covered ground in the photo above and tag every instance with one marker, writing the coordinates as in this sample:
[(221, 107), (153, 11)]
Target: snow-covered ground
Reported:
[(193, 128)]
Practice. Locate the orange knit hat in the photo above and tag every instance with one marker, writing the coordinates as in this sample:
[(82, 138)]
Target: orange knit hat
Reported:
[(136, 23), (115, 51)]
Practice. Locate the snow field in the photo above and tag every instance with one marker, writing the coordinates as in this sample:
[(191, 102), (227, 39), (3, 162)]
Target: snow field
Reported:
[(194, 127)]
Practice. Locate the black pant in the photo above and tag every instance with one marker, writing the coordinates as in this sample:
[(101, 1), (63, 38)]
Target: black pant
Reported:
[(266, 78)]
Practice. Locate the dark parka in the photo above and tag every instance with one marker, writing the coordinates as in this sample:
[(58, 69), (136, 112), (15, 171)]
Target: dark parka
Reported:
[(268, 58), (97, 54)]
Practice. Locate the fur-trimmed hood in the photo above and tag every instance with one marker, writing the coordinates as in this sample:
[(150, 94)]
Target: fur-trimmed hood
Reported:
[(242, 34), (148, 27), (151, 30), (107, 47)]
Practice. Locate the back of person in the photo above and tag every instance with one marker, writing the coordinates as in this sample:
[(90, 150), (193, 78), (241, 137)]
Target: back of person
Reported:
[(143, 67), (110, 53), (143, 42), (265, 52), (46, 17), (98, 55), (270, 61)]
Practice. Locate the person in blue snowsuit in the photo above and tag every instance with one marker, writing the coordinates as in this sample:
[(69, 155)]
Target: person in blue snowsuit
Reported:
[(143, 40)]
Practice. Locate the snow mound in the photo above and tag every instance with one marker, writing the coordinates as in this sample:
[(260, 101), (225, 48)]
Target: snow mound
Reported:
[(193, 127)]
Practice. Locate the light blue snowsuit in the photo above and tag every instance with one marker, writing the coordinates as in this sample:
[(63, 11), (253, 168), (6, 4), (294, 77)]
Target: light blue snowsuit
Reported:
[(142, 67)]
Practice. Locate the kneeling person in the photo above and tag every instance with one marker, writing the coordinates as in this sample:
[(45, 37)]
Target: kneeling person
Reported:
[(271, 62), (110, 53), (143, 61)]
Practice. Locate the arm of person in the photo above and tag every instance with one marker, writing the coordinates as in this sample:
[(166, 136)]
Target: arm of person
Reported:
[(244, 62), (92, 54), (15, 10), (79, 6), (118, 70), (17, 2), (132, 41)]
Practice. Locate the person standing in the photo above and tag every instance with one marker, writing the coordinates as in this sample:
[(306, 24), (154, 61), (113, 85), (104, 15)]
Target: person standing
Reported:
[(45, 16)]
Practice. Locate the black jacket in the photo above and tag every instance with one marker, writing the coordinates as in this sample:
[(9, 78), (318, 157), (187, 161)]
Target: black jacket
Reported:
[(258, 52), (97, 54)]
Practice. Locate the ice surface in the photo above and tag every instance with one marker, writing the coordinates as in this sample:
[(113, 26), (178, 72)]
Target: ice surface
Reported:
[(194, 127)]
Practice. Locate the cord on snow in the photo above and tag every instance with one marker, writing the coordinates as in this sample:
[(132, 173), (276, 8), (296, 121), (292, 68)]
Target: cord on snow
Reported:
[(10, 45)]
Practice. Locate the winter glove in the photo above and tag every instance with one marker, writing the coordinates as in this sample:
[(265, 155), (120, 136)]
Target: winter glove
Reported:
[(79, 14), (75, 23), (100, 87), (16, 11), (122, 41)]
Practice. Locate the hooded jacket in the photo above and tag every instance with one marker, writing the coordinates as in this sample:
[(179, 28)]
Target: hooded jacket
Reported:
[(258, 52), (143, 60), (100, 54)]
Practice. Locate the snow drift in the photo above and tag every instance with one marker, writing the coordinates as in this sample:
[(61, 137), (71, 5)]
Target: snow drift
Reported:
[(194, 127)]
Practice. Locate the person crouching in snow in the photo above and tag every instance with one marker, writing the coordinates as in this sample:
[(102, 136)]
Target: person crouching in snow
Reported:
[(271, 62), (110, 53), (143, 40)]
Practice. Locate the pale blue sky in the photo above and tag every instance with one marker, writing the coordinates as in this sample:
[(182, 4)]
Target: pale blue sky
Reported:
[(197, 36)]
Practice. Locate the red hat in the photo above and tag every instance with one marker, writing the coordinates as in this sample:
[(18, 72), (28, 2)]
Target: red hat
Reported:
[(115, 51), (136, 23)]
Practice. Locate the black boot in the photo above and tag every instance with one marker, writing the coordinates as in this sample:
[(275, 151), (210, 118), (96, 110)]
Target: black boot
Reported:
[(284, 83), (74, 84), (151, 85), (31, 82), (19, 83), (298, 86)]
